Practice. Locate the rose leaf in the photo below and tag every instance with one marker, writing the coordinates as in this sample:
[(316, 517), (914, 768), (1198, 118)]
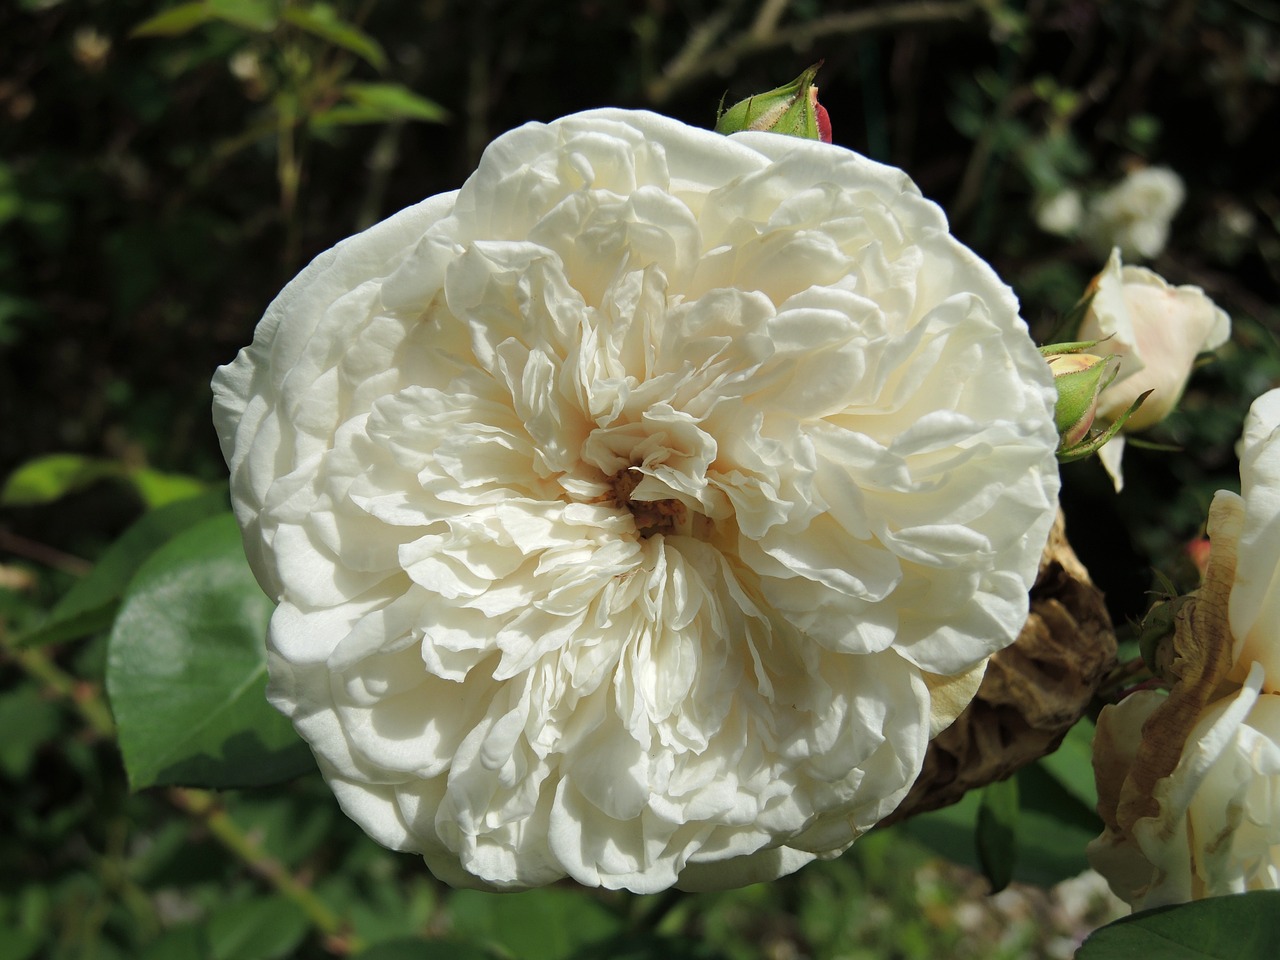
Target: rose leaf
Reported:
[(186, 670), (1241, 927)]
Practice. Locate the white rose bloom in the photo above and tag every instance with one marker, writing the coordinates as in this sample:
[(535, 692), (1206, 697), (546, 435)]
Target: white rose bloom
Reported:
[(1157, 330), (1218, 830), (1212, 824), (1135, 214), (638, 511)]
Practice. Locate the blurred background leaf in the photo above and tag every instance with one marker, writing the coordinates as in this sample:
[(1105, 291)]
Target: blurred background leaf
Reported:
[(1242, 927), (187, 669)]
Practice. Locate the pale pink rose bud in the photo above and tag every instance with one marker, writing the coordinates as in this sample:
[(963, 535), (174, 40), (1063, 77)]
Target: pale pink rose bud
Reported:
[(1159, 330)]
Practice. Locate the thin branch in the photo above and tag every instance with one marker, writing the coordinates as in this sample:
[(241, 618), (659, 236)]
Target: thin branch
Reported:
[(84, 696), (479, 94), (767, 18), (201, 804), (204, 806), (688, 62), (694, 61), (43, 554), (380, 164), (983, 155)]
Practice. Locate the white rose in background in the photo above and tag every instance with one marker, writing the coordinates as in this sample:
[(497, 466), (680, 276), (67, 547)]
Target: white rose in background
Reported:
[(1157, 330), (1189, 782), (1061, 213), (637, 512), (1135, 214)]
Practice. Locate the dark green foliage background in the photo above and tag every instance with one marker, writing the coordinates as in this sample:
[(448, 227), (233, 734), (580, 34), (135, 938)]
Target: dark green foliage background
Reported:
[(153, 200)]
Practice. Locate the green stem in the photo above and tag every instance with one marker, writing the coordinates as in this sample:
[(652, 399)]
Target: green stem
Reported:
[(984, 152), (1121, 677), (43, 554), (289, 173), (201, 804), (113, 872), (204, 805), (84, 696), (767, 18)]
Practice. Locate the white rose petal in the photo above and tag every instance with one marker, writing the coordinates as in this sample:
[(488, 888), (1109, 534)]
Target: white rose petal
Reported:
[(624, 507)]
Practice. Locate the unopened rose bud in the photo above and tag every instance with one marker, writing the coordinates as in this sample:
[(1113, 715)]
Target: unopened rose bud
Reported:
[(792, 109), (1080, 379), (1158, 328)]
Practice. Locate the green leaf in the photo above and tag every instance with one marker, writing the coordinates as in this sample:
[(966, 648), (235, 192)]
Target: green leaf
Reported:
[(1241, 927), (1052, 830), (18, 944), (187, 942), (158, 489), (410, 948), (91, 604), (257, 15), (49, 478), (544, 924), (947, 831), (631, 946), (380, 103), (322, 21), (346, 115), (263, 928), (28, 720), (174, 22), (996, 835), (1071, 765), (186, 670)]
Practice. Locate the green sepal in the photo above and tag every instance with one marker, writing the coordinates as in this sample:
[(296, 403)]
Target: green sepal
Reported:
[(1072, 346), (788, 109), (1087, 448), (1078, 393)]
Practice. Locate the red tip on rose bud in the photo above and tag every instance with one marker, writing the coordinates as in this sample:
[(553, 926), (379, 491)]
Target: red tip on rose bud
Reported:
[(821, 115)]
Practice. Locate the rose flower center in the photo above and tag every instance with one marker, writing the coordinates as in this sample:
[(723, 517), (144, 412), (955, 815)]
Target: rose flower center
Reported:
[(651, 516)]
